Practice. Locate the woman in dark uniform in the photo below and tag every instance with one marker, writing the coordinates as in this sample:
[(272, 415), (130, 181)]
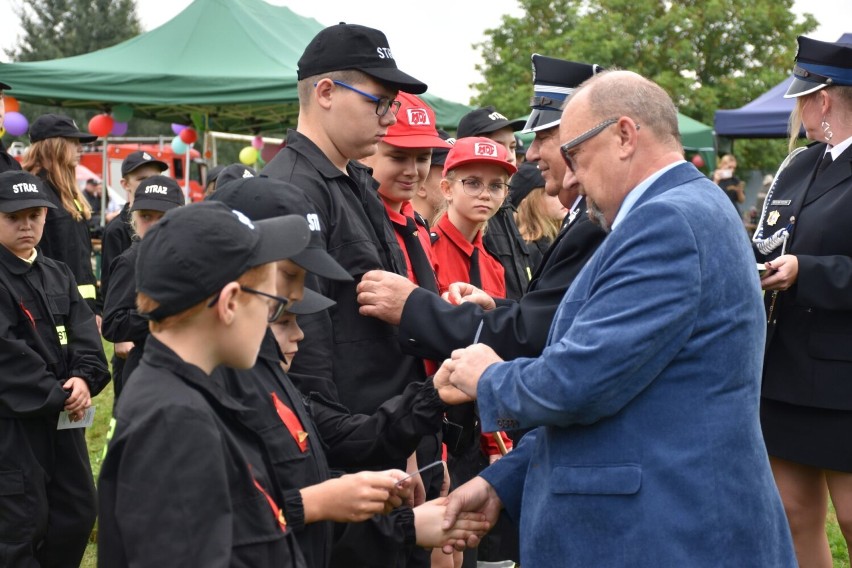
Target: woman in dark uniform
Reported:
[(804, 239), (53, 157)]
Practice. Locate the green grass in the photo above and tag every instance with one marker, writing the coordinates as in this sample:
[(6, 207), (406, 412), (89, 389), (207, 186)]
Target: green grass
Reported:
[(96, 439)]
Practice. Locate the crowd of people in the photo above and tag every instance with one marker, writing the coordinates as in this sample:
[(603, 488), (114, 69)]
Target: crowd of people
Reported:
[(392, 347)]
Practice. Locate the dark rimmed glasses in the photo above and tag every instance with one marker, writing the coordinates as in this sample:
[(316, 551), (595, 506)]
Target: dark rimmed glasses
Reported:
[(473, 187), (570, 148), (383, 104), (276, 308)]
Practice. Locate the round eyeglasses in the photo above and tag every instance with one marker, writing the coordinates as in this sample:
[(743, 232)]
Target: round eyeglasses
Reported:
[(473, 187)]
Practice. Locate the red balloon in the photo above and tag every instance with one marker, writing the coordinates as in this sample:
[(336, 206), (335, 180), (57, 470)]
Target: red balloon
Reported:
[(188, 135), (101, 125), (698, 161), (12, 104)]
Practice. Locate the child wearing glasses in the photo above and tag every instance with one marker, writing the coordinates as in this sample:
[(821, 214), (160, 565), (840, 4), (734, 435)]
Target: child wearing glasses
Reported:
[(185, 482), (476, 176), (52, 365)]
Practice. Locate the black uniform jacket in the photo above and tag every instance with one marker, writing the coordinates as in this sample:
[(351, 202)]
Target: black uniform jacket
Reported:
[(121, 320), (68, 241), (181, 482), (7, 162), (116, 240), (326, 430), (809, 355), (505, 243), (346, 356), (47, 335), (432, 328)]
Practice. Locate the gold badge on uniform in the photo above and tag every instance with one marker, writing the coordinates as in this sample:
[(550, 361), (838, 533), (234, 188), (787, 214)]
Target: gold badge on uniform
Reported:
[(772, 218)]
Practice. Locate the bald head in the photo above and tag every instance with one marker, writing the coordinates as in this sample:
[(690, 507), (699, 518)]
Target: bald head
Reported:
[(624, 93)]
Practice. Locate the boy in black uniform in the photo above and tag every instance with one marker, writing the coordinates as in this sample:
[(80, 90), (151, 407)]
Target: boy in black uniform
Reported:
[(309, 435), (184, 481), (347, 83), (136, 167), (52, 363)]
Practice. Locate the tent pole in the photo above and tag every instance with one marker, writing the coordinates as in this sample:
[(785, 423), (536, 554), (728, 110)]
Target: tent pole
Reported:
[(104, 182)]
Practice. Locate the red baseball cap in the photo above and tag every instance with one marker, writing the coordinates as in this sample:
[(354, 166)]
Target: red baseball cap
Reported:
[(475, 149), (415, 125)]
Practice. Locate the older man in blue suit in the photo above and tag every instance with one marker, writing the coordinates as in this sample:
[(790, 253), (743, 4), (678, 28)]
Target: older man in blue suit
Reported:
[(648, 449)]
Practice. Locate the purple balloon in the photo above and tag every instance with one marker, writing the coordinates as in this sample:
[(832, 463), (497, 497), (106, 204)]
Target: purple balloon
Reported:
[(178, 128), (118, 129), (16, 124)]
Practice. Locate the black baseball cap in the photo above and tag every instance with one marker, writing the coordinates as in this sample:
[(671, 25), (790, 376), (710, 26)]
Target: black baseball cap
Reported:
[(527, 179), (194, 251), (4, 87), (483, 121), (57, 126), (553, 81), (439, 155), (350, 46), (158, 193), (138, 159), (234, 172), (21, 190), (311, 303), (213, 173), (263, 197), (820, 64)]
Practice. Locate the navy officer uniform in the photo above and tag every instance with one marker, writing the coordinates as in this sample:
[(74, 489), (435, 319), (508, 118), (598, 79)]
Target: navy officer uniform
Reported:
[(808, 362), (432, 328)]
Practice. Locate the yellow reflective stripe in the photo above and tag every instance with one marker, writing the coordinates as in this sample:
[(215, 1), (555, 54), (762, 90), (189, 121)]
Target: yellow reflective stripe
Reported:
[(63, 336), (109, 435), (87, 291), (77, 204), (529, 273)]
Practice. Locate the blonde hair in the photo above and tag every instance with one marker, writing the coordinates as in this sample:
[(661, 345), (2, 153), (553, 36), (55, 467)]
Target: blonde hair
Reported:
[(795, 123), (146, 304), (532, 223), (55, 157)]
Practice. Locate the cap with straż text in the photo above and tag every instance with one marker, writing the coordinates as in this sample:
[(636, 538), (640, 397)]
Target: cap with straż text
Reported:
[(21, 190)]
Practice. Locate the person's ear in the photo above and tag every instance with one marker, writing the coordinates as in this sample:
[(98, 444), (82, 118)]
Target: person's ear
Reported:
[(446, 189), (628, 132), (323, 92), (226, 307)]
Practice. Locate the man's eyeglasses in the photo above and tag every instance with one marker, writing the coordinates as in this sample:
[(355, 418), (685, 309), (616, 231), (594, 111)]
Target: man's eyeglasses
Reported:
[(383, 104), (276, 307), (569, 149), (473, 187)]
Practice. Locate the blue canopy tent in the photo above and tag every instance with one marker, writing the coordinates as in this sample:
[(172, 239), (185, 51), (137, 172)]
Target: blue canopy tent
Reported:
[(764, 117)]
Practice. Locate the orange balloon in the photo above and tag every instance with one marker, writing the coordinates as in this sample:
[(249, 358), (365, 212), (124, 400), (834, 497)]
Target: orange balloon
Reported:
[(12, 104)]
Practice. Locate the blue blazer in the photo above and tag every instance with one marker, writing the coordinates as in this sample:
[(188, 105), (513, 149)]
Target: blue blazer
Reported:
[(648, 450)]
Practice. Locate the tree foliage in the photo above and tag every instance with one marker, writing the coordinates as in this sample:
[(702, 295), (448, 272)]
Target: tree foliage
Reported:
[(63, 28), (708, 54)]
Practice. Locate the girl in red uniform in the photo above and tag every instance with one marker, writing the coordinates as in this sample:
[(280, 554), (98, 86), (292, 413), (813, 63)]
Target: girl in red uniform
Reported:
[(476, 176)]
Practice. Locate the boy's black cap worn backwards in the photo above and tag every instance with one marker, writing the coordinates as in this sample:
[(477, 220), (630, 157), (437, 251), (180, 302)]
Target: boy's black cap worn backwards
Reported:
[(483, 121), (22, 190), (158, 193), (350, 46), (57, 126), (233, 172), (138, 159), (820, 64), (527, 179), (263, 197), (194, 251)]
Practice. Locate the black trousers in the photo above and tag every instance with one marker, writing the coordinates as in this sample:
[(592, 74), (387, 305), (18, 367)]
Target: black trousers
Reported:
[(47, 494)]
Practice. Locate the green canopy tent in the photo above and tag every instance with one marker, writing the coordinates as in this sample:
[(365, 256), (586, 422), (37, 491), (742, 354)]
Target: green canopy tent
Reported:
[(228, 63)]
